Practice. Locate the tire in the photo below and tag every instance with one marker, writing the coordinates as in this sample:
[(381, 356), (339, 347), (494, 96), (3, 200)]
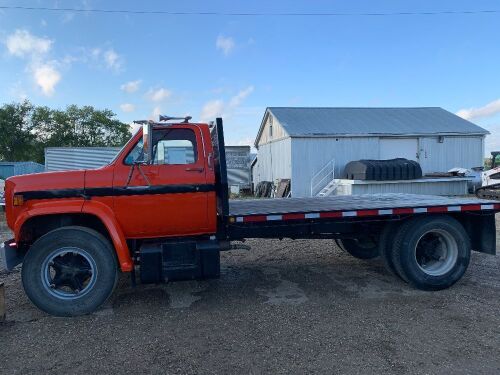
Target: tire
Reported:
[(359, 248), (70, 271), (385, 246), (431, 253)]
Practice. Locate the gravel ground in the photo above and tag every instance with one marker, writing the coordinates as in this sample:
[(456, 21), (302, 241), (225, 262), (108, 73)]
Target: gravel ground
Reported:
[(284, 307)]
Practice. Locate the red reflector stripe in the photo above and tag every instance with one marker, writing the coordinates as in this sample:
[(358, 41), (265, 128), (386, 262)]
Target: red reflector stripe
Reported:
[(368, 213), (497, 206), (471, 207), (399, 211), (437, 209), (293, 216), (330, 214), (250, 219)]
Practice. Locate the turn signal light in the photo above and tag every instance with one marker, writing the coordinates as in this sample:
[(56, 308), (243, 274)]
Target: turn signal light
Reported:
[(18, 200)]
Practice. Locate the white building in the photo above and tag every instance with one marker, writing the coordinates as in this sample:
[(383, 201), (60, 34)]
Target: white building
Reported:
[(296, 143)]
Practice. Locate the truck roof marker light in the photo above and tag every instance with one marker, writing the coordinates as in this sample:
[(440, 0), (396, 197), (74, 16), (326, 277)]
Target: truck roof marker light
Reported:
[(18, 200)]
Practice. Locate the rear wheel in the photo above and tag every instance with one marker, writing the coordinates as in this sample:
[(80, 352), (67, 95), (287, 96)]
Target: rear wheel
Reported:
[(70, 271), (385, 246), (431, 253), (361, 248)]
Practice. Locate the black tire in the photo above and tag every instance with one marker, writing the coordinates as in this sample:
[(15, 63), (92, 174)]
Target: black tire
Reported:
[(86, 243), (385, 246), (363, 248), (431, 253)]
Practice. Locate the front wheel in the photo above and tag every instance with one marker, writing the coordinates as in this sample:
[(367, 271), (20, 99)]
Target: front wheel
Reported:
[(431, 253), (70, 271)]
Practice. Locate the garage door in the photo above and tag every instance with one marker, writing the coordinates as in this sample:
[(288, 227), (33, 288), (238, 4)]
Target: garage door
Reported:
[(391, 148)]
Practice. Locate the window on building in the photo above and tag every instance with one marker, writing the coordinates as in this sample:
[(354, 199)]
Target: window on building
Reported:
[(270, 126)]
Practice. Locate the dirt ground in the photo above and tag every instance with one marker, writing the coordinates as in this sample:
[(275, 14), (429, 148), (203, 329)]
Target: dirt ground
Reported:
[(284, 307)]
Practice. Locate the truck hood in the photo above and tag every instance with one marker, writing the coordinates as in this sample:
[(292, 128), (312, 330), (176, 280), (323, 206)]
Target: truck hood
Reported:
[(47, 181)]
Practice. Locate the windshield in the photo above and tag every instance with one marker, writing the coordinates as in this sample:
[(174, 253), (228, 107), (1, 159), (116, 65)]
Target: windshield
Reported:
[(124, 147)]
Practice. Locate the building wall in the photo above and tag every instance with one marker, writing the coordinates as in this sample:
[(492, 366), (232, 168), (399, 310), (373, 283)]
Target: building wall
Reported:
[(8, 169), (274, 161), (465, 152), (72, 158), (238, 166), (278, 131), (309, 155)]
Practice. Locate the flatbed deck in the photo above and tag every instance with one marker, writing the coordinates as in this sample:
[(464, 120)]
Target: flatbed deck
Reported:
[(254, 210)]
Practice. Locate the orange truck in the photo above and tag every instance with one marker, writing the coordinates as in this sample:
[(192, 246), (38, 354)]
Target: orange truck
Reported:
[(161, 210)]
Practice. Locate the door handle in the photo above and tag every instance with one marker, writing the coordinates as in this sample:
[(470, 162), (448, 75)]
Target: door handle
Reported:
[(195, 169)]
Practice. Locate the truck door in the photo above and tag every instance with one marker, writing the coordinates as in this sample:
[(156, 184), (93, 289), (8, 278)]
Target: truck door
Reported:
[(168, 197)]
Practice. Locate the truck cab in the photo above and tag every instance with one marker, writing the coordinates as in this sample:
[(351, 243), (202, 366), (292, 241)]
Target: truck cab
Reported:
[(128, 204)]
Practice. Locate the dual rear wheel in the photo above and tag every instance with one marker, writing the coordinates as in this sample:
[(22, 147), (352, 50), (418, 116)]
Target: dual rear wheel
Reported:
[(430, 253)]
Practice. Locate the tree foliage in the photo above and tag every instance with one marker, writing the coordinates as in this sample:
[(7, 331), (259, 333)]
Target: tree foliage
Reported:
[(25, 130)]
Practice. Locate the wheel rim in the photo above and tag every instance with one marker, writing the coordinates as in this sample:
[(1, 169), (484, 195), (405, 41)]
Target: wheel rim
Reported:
[(68, 273), (436, 252)]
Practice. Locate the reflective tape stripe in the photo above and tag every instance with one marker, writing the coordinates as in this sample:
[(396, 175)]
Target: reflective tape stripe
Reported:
[(312, 216), (385, 212), (273, 217), (362, 213)]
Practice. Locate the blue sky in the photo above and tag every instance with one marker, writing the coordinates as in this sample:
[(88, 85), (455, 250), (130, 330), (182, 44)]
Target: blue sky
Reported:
[(142, 65)]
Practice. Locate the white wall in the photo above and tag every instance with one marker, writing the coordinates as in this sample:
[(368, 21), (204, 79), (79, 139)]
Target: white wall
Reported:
[(309, 155), (273, 161), (466, 152)]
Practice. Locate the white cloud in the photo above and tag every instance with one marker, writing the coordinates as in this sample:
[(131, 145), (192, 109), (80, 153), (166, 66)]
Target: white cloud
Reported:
[(127, 107), (22, 43), (131, 86), (218, 107), (487, 110), (212, 109), (242, 95), (156, 113), (112, 60), (46, 77), (225, 44), (159, 95)]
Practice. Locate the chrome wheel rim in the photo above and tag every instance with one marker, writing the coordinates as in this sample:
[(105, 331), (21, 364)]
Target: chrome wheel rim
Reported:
[(68, 273), (436, 252)]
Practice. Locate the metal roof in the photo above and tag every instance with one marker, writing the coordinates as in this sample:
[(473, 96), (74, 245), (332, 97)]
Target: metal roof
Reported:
[(299, 121)]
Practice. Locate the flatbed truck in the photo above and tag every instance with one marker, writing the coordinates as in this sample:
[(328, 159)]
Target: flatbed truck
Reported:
[(161, 210)]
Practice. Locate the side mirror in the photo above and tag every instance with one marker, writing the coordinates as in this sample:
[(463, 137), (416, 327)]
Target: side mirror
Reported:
[(147, 143)]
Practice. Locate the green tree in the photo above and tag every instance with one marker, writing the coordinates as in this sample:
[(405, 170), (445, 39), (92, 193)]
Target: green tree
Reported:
[(17, 136), (40, 127)]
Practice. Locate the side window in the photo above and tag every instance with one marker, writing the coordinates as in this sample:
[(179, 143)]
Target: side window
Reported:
[(495, 176), (174, 146)]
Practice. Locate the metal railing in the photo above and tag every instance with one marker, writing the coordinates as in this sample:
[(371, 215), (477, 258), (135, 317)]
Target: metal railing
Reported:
[(323, 177)]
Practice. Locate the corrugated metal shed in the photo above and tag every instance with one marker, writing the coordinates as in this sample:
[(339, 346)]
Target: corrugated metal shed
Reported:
[(71, 158), (314, 137), (8, 168), (370, 121)]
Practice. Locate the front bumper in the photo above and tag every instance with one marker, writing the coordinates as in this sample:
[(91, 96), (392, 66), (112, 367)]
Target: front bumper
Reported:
[(9, 256)]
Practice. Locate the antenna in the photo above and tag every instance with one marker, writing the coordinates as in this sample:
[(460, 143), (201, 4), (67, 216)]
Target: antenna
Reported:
[(169, 118)]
